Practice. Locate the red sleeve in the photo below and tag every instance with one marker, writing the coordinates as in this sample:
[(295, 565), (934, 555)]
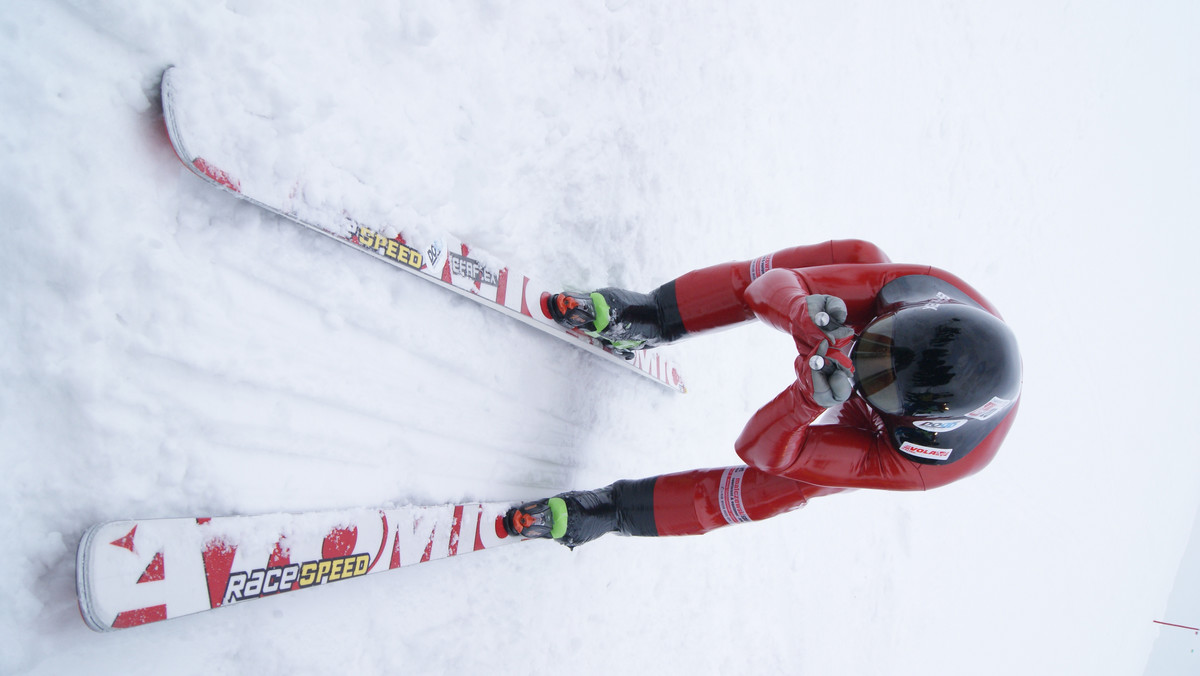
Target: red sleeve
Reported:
[(777, 298), (859, 285), (713, 297), (833, 252), (847, 454)]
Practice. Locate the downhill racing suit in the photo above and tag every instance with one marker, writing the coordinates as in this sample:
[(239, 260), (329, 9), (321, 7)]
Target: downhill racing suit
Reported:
[(793, 448)]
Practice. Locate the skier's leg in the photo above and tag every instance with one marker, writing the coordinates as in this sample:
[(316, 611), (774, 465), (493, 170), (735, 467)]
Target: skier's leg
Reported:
[(691, 503), (576, 517), (687, 503)]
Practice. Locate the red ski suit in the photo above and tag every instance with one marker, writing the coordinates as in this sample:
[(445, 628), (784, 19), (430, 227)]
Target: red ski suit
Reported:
[(791, 454)]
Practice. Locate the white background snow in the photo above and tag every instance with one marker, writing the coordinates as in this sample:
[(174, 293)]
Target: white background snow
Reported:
[(170, 351)]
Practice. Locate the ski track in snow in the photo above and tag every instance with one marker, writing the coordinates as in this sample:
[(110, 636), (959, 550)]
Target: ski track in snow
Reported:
[(171, 351)]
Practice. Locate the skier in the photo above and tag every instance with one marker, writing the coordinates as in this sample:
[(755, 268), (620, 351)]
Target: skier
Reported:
[(919, 375)]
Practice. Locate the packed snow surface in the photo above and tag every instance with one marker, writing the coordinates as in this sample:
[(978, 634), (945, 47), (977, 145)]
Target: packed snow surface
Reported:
[(169, 350)]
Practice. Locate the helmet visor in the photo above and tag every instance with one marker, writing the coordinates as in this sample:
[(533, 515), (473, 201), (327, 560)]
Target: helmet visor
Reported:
[(874, 368)]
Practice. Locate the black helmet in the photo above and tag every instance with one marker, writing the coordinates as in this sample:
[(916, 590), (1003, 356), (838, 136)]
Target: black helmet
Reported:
[(937, 367)]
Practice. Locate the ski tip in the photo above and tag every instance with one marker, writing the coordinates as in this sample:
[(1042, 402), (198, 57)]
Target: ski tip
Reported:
[(205, 169), (195, 163)]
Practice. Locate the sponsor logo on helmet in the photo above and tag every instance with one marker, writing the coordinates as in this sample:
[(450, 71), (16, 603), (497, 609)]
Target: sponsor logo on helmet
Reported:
[(936, 301), (989, 409), (927, 452), (940, 425)]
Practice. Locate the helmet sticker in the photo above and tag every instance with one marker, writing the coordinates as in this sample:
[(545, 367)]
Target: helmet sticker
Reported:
[(989, 409), (939, 425), (936, 301), (918, 451)]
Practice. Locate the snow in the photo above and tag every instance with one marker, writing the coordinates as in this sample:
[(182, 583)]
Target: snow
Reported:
[(171, 351)]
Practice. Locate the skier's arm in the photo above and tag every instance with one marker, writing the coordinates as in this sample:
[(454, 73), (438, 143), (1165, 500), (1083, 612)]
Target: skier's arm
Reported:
[(841, 252), (712, 297), (781, 300), (833, 252), (780, 440), (859, 285), (852, 453)]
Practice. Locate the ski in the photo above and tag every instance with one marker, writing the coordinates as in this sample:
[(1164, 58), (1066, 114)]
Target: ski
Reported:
[(442, 258), (130, 573)]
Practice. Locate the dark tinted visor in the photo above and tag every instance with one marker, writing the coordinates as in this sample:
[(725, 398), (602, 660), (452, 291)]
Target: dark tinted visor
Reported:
[(874, 368)]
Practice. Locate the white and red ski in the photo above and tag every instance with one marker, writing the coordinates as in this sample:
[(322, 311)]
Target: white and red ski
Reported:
[(441, 258), (130, 573)]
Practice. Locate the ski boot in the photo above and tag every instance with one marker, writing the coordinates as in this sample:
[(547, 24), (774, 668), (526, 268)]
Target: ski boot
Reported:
[(570, 518), (623, 320)]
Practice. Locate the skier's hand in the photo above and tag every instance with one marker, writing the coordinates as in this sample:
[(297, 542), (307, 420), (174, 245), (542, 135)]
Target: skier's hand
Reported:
[(829, 313), (821, 318), (829, 371)]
